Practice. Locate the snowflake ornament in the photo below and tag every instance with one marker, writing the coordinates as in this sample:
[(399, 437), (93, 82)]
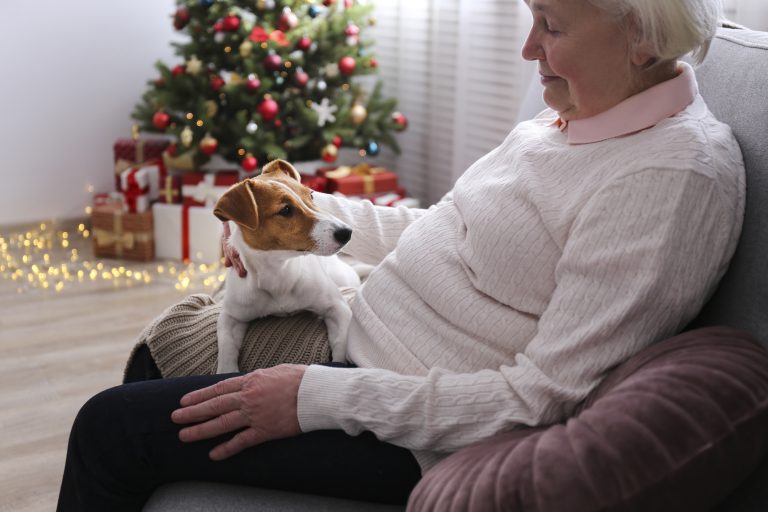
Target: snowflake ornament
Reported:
[(325, 112)]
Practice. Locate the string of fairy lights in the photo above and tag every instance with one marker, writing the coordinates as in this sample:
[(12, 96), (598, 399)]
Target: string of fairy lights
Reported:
[(50, 260)]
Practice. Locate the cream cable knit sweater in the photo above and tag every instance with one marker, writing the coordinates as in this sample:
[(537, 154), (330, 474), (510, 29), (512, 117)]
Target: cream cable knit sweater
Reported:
[(552, 264)]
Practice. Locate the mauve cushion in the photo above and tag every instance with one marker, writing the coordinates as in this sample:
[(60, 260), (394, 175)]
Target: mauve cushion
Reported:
[(676, 427)]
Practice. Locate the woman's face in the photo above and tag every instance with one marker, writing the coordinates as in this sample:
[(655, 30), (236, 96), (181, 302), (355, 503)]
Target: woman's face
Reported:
[(584, 60)]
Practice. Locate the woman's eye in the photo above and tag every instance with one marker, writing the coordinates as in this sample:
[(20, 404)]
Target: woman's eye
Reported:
[(287, 211), (549, 28)]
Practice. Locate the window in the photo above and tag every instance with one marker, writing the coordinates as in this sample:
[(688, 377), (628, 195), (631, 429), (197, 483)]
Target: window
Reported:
[(456, 69)]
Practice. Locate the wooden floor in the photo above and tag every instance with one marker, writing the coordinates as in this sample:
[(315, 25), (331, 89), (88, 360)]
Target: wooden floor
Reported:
[(56, 351)]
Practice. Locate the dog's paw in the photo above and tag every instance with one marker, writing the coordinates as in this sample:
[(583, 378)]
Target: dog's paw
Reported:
[(339, 356), (226, 368)]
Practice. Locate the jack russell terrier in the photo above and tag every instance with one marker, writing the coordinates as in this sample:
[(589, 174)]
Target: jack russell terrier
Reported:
[(288, 248)]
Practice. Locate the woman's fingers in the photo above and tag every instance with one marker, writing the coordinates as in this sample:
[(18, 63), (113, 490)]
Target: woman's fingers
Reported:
[(233, 420), (238, 443), (220, 388), (216, 406), (231, 256)]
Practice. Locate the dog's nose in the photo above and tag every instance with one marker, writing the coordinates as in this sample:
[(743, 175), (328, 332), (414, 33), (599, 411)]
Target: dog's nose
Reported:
[(342, 235)]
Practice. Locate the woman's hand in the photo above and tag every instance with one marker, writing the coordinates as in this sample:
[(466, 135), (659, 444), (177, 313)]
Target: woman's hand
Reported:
[(231, 256), (262, 402)]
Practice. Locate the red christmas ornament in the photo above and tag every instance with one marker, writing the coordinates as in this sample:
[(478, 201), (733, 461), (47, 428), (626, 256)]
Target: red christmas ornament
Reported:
[(401, 122), (301, 77), (171, 149), (278, 123), (178, 70), (347, 65), (231, 23), (161, 120), (218, 26), (352, 30), (348, 4), (288, 20), (304, 43), (209, 145), (249, 163), (338, 141), (268, 109), (216, 83), (328, 3), (272, 62), (252, 83), (181, 18), (373, 62), (329, 153), (259, 35)]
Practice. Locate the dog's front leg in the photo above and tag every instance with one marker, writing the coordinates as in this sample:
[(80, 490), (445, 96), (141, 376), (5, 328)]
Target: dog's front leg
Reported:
[(230, 333), (337, 320)]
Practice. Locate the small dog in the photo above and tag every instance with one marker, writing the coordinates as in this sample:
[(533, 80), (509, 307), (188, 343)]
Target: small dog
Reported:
[(288, 248)]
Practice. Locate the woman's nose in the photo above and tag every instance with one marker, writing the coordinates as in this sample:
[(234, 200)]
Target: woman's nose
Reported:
[(531, 48)]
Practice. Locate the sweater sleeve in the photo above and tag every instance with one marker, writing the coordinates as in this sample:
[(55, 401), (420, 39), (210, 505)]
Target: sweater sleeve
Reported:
[(375, 229), (641, 258)]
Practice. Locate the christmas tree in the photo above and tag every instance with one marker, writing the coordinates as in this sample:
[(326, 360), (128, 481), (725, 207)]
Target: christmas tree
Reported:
[(266, 79)]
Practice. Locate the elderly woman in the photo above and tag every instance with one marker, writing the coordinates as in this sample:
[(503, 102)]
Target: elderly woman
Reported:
[(592, 231)]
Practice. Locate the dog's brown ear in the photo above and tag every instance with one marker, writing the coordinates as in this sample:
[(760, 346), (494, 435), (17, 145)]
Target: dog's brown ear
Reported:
[(276, 166), (238, 204)]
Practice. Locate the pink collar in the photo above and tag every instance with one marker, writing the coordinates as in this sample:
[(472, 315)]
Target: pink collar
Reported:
[(637, 112)]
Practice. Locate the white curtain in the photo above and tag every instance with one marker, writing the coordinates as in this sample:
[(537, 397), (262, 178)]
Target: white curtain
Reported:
[(456, 70), (751, 13)]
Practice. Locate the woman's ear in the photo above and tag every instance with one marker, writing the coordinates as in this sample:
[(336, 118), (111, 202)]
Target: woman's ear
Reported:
[(642, 58)]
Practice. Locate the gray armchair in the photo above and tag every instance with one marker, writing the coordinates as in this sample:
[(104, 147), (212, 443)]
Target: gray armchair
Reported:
[(734, 83)]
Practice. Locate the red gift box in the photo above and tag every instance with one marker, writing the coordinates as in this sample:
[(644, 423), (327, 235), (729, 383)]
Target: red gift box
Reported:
[(136, 153), (358, 180), (170, 191), (317, 183), (205, 188)]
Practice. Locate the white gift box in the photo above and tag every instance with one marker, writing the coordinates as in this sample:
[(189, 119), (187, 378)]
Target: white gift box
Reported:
[(140, 186), (186, 233)]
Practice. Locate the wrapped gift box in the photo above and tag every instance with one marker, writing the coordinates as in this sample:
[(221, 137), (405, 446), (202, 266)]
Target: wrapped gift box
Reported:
[(108, 202), (187, 233), (395, 198), (117, 234), (205, 188), (140, 186), (170, 193), (136, 153), (358, 180), (317, 183)]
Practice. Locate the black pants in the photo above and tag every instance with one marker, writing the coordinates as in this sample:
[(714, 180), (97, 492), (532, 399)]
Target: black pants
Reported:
[(123, 445)]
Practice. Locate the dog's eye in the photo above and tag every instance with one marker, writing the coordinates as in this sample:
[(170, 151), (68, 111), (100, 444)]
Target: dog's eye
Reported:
[(287, 211), (311, 194)]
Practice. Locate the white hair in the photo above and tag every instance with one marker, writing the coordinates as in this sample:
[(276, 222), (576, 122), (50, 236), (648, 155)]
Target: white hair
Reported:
[(668, 29)]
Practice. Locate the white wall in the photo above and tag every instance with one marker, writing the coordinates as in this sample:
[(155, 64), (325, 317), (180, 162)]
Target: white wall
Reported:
[(71, 74)]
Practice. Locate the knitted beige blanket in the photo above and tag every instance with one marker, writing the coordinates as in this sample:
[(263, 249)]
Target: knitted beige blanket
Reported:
[(182, 340)]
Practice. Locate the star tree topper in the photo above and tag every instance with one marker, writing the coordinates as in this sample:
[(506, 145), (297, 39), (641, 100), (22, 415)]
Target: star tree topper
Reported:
[(325, 112)]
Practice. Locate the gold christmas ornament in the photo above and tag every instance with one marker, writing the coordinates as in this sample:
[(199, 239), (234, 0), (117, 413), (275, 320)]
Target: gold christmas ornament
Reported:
[(246, 48), (358, 114), (186, 136), (194, 65), (212, 108), (234, 79)]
